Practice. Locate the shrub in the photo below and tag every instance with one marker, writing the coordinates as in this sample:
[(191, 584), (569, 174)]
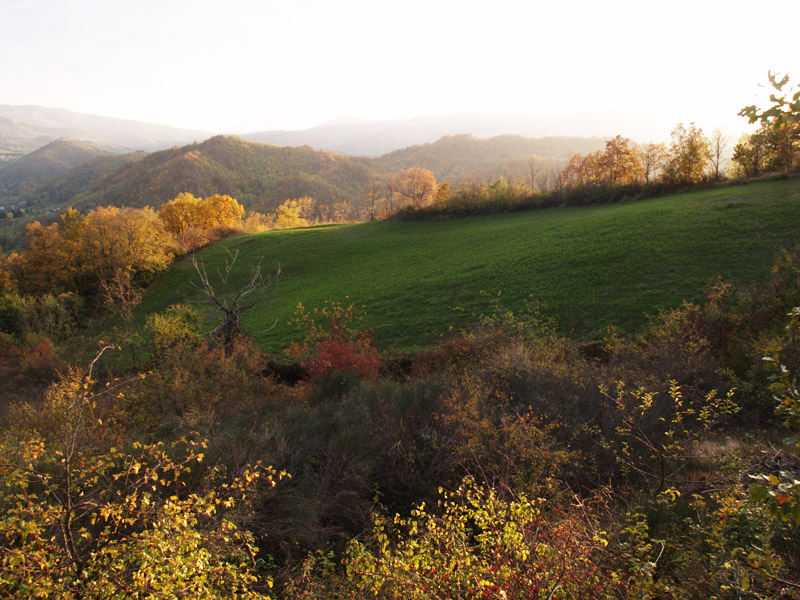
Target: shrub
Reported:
[(331, 342), (476, 545), (82, 516), (174, 331)]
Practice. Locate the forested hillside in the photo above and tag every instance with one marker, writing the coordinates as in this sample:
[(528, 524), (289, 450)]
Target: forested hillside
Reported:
[(62, 191), (34, 170), (456, 158), (258, 175)]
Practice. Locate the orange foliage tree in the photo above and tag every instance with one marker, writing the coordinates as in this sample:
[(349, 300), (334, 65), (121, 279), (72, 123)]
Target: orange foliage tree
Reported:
[(689, 154), (618, 164), (181, 213), (416, 186), (192, 220)]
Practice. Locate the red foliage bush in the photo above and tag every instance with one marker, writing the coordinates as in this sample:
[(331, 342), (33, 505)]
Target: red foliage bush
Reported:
[(338, 355), (332, 344)]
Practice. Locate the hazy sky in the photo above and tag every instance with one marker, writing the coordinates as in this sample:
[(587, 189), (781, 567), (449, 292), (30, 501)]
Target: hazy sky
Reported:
[(238, 65)]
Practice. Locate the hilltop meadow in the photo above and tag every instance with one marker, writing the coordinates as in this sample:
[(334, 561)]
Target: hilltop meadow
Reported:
[(588, 268)]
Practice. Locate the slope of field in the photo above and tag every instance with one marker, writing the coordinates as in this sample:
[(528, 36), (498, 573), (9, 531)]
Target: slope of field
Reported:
[(590, 267)]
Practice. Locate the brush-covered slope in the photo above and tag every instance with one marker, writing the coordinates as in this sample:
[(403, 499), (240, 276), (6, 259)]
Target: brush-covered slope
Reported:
[(590, 267), (260, 176), (458, 157), (34, 170)]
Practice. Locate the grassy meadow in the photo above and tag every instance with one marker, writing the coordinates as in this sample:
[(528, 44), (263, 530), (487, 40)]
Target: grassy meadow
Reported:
[(588, 267)]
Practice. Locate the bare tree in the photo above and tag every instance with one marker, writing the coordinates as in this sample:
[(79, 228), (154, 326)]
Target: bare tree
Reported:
[(120, 292), (719, 143), (233, 302), (534, 168), (652, 157)]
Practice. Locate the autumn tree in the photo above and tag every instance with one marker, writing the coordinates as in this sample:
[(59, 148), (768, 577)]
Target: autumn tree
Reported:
[(220, 210), (689, 154), (768, 149), (777, 141), (182, 212), (256, 222), (577, 171), (748, 155), (195, 222), (617, 164), (8, 272), (391, 186), (442, 193), (122, 249), (372, 198), (652, 158), (417, 186), (48, 263), (294, 213)]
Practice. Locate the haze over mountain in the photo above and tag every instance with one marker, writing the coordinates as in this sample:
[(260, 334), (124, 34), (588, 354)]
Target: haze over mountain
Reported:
[(26, 128), (366, 137)]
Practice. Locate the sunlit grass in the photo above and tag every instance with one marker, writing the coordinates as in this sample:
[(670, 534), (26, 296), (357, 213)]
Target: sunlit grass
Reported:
[(589, 267)]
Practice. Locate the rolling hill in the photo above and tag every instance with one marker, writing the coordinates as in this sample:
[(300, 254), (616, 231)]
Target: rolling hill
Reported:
[(456, 158), (38, 168), (590, 267), (62, 191), (260, 176)]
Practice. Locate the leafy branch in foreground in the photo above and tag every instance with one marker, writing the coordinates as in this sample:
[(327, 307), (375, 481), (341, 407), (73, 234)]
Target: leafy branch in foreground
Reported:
[(232, 302), (785, 109), (85, 516), (781, 490)]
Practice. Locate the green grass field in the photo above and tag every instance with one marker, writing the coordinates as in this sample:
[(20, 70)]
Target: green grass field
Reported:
[(589, 267)]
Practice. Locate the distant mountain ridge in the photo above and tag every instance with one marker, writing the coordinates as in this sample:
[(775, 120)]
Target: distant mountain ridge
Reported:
[(261, 176), (364, 137), (27, 128)]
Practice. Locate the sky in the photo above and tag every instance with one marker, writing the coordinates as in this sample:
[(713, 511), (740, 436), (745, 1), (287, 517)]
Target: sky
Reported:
[(248, 65)]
